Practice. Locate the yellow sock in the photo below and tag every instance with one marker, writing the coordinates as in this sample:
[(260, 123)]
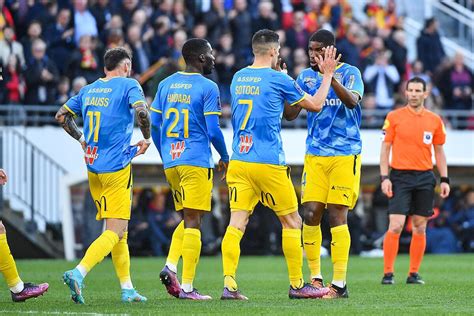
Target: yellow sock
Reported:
[(7, 264), (291, 244), (99, 249), (176, 246), (121, 260), (230, 256), (312, 239), (191, 253), (340, 245)]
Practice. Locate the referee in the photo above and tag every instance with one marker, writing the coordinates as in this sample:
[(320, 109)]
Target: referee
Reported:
[(410, 133)]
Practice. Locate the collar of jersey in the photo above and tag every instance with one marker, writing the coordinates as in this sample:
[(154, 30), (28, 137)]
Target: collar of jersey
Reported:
[(105, 80), (262, 67), (410, 110), (337, 67), (188, 73)]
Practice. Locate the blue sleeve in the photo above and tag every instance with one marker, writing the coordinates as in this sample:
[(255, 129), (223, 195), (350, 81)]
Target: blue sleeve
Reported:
[(216, 136), (212, 102), (353, 81), (292, 92), (301, 84), (73, 105), (156, 119), (135, 94)]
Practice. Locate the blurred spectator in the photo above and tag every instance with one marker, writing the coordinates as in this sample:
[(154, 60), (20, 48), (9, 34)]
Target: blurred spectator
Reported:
[(297, 35), (115, 23), (8, 47), (462, 222), (369, 103), (162, 40), (429, 47), (372, 51), (77, 84), (102, 12), (397, 45), (63, 91), (126, 10), (33, 33), (457, 84), (84, 21), (162, 222), (300, 61), (200, 31), (240, 23), (13, 80), (84, 61), (114, 38), (179, 38), (374, 10), (267, 19), (215, 20), (41, 76), (6, 18), (381, 79), (350, 46), (181, 19), (59, 38), (140, 50), (139, 18), (225, 66)]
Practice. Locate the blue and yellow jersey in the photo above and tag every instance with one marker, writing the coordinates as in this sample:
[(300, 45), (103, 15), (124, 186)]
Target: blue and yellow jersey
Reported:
[(335, 130), (107, 109), (184, 99), (258, 97)]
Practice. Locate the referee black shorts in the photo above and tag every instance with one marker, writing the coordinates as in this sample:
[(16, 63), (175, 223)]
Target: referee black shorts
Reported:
[(413, 192)]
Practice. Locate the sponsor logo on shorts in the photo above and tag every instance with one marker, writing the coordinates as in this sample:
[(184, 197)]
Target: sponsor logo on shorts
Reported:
[(91, 155), (246, 143), (177, 149)]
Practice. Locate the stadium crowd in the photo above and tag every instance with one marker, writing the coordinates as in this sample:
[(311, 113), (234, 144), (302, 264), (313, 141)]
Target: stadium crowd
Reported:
[(49, 49)]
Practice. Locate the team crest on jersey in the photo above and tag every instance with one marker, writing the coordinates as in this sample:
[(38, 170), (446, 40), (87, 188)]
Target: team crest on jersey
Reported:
[(427, 138), (310, 82), (177, 149), (245, 144), (91, 155), (338, 76)]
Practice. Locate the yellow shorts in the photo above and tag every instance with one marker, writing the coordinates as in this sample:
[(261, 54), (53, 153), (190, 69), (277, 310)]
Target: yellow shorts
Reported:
[(250, 183), (331, 180), (112, 193), (191, 187)]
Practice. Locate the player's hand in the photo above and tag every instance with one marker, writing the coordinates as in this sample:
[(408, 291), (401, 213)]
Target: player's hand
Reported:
[(142, 147), (281, 66), (445, 189), (387, 188), (3, 177), (222, 166), (328, 64)]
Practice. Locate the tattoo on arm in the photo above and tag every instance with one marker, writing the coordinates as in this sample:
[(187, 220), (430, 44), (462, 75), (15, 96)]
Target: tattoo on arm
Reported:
[(66, 119), (143, 117)]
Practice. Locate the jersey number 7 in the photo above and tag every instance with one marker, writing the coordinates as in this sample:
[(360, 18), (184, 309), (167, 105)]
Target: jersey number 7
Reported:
[(247, 115)]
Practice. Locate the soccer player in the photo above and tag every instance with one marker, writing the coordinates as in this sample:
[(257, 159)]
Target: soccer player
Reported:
[(257, 171), (108, 106), (411, 132), (331, 173), (20, 291), (185, 120)]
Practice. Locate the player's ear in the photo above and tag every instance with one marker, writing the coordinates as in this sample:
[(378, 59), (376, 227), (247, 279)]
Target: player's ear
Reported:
[(202, 58)]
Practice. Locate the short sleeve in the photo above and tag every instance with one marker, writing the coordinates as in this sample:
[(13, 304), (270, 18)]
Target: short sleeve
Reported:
[(135, 94), (73, 105), (212, 102), (291, 90), (156, 104), (439, 137), (353, 81), (300, 82), (388, 129)]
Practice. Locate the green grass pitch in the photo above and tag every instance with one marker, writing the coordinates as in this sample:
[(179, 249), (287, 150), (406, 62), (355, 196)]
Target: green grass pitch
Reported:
[(449, 289)]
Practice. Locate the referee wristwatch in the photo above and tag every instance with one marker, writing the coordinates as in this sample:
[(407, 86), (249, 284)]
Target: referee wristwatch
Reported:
[(444, 179)]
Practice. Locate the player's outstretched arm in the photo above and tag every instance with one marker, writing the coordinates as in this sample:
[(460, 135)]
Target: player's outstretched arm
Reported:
[(442, 166), (66, 119), (327, 66), (217, 140), (156, 120), (144, 122), (291, 112)]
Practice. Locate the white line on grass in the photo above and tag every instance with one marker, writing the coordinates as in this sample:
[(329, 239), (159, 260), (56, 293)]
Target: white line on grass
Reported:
[(59, 313)]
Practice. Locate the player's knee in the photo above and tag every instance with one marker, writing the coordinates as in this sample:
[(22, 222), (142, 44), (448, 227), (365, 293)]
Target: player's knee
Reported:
[(2, 228), (192, 220), (310, 217), (395, 228), (337, 218), (291, 221), (419, 230)]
